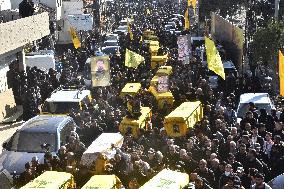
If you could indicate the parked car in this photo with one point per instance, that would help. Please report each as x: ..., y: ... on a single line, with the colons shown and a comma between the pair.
x: 121, y: 30
x: 112, y: 37
x: 33, y: 139
x: 110, y: 43
x: 61, y: 101
x: 111, y: 50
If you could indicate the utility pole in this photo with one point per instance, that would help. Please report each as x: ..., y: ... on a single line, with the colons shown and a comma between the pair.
x: 276, y: 6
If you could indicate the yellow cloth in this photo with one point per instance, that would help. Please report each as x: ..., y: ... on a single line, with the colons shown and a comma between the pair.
x: 281, y: 64
x: 132, y: 59
x: 282, y: 86
x: 191, y: 2
x: 281, y: 73
x: 167, y: 179
x: 129, y: 30
x: 186, y: 20
x: 214, y: 61
x: 75, y: 39
x: 51, y: 179
x: 103, y: 182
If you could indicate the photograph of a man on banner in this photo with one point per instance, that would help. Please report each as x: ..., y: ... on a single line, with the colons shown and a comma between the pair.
x: 100, y: 70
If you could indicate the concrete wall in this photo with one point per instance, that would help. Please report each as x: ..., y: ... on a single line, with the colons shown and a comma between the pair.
x: 9, y: 15
x: 20, y: 32
x: 7, y: 104
x: 5, y: 5
x: 4, y: 68
x: 69, y: 7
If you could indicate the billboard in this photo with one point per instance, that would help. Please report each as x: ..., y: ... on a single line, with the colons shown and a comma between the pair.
x: 230, y: 36
x: 81, y: 21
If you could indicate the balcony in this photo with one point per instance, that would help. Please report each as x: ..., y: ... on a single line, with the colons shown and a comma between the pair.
x: 17, y: 33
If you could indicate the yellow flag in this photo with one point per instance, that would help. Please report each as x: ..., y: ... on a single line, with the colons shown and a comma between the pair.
x: 186, y: 20
x: 129, y: 30
x: 281, y: 73
x: 141, y: 39
x: 132, y: 59
x: 75, y: 39
x: 214, y: 61
x: 191, y: 2
x: 281, y: 64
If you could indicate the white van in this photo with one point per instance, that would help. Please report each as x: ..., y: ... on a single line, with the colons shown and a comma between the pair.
x: 261, y: 101
x: 28, y: 141
x: 43, y: 60
x: 62, y: 101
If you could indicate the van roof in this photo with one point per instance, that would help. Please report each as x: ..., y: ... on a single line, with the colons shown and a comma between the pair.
x: 45, y: 123
x: 228, y: 64
x: 257, y: 98
x: 67, y: 95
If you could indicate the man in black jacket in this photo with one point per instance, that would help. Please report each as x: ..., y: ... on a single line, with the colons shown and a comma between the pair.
x: 26, y: 9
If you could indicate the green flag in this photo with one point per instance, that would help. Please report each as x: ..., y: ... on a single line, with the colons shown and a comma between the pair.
x: 132, y: 59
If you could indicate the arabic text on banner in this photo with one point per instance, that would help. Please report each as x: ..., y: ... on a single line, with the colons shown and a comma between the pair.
x: 81, y: 21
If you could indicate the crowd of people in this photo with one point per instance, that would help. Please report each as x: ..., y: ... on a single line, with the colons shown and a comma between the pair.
x: 219, y: 152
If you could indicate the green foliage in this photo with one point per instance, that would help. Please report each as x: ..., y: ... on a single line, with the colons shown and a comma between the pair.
x: 267, y: 41
x: 224, y: 7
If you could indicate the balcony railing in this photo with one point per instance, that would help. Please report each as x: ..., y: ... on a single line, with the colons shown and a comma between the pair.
x: 17, y: 33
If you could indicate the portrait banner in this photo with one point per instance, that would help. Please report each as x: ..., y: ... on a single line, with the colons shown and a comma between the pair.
x: 100, y: 71
x: 163, y: 84
x: 184, y: 50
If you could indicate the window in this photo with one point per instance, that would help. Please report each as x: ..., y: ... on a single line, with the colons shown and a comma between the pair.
x: 31, y: 142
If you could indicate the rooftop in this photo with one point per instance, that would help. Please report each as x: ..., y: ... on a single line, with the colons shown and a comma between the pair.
x: 66, y: 95
x: 44, y: 123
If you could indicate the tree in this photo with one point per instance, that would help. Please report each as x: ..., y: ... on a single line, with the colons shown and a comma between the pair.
x: 266, y: 43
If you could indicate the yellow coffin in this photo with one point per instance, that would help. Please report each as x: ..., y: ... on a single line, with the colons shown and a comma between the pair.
x: 162, y: 71
x: 136, y: 124
x: 154, y: 47
x: 167, y: 179
x: 182, y: 118
x: 158, y: 61
x: 162, y: 98
x: 103, y: 182
x: 131, y: 89
x: 52, y: 180
x: 165, y: 71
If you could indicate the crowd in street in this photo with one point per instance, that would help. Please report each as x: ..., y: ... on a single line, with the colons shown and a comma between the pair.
x: 218, y: 152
